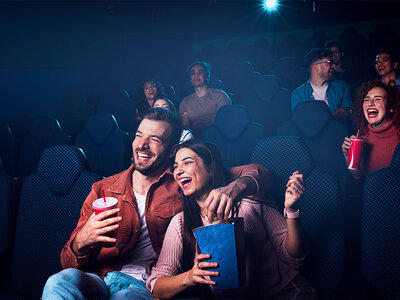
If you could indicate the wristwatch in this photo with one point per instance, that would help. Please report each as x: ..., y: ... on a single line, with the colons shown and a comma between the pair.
x: 291, y: 215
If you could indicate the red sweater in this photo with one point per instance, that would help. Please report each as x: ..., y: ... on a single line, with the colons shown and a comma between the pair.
x: 380, y: 146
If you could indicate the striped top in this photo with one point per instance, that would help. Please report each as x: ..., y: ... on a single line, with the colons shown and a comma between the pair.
x: 269, y: 267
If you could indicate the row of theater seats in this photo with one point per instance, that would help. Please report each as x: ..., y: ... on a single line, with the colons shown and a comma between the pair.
x: 235, y: 134
x: 75, y: 110
x: 52, y: 197
x: 267, y: 103
x: 49, y: 206
x: 322, y: 218
x: 107, y: 147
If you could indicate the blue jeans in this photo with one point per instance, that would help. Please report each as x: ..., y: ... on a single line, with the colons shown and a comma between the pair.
x: 75, y: 284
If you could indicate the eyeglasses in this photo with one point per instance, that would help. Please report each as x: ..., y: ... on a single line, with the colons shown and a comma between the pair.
x: 329, y: 62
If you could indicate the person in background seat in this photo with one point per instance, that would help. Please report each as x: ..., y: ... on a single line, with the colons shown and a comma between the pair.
x: 198, y: 110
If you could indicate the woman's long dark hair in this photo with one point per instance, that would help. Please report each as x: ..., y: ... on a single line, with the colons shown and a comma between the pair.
x: 191, y: 210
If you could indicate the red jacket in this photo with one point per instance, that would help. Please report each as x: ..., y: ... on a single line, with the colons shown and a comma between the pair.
x: 162, y: 203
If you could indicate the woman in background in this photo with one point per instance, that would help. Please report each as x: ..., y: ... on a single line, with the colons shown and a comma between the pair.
x: 377, y: 115
x: 165, y: 103
x: 151, y: 90
x: 386, y: 64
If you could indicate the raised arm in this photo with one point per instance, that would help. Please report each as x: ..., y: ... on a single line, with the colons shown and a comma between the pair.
x: 250, y: 180
x: 296, y: 240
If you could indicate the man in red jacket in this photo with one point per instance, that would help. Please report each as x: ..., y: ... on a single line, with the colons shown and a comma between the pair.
x: 148, y: 198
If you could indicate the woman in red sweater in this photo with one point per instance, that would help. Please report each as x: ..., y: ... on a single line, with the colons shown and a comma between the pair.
x: 377, y: 115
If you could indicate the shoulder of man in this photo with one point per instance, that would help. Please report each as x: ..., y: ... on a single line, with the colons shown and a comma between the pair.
x: 217, y: 91
x: 304, y: 87
x: 189, y: 97
x: 339, y: 84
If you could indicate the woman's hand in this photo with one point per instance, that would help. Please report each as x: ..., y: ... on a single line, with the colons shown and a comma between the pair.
x: 357, y: 174
x: 295, y: 188
x: 196, y: 274
x: 346, y: 146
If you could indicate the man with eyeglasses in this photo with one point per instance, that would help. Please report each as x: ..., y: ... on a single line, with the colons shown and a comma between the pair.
x: 335, y: 93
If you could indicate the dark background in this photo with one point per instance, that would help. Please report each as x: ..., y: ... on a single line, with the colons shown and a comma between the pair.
x: 50, y: 48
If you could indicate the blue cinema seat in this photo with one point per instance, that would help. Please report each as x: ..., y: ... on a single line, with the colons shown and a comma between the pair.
x: 289, y: 73
x: 107, y: 148
x: 73, y: 114
x: 321, y: 208
x: 44, y: 132
x: 49, y: 208
x: 313, y: 122
x: 268, y: 103
x: 234, y: 134
x: 9, y: 148
x: 7, y: 192
x: 381, y: 229
x: 118, y: 103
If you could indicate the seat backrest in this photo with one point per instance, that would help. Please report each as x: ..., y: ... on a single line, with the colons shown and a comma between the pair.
x: 320, y: 206
x: 107, y: 148
x: 380, y: 229
x: 6, y: 214
x: 289, y: 73
x: 9, y: 149
x: 268, y: 103
x: 73, y: 114
x: 243, y: 78
x: 234, y: 134
x: 45, y: 132
x: 313, y: 122
x: 21, y: 124
x: 49, y: 208
x: 118, y: 103
x: 282, y: 156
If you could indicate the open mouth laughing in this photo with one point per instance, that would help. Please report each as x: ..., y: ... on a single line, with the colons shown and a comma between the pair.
x: 185, y: 182
x: 143, y: 156
x: 372, y: 113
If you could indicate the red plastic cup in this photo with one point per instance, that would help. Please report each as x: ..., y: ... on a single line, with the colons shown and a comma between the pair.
x: 100, y: 206
x: 355, y: 153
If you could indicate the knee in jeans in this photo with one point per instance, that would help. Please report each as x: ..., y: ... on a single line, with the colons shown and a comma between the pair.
x: 59, y: 278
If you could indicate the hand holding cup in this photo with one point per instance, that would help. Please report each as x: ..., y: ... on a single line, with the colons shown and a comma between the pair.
x: 99, y: 228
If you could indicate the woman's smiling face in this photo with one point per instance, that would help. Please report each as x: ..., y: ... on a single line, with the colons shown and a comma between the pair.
x: 191, y: 174
x: 375, y: 107
x: 384, y: 64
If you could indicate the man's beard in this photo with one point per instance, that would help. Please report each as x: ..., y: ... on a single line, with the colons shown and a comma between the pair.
x: 158, y: 165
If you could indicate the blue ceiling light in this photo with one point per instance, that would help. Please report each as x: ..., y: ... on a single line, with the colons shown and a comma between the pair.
x: 270, y: 4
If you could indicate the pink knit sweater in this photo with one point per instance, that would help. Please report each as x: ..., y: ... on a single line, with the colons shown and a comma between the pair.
x: 380, y: 146
x: 269, y: 267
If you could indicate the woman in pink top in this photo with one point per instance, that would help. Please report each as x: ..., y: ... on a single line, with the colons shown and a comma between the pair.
x: 377, y: 115
x: 275, y: 247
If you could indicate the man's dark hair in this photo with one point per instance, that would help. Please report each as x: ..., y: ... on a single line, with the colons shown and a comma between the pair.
x: 315, y: 54
x: 160, y: 114
x: 333, y: 43
x: 206, y: 65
